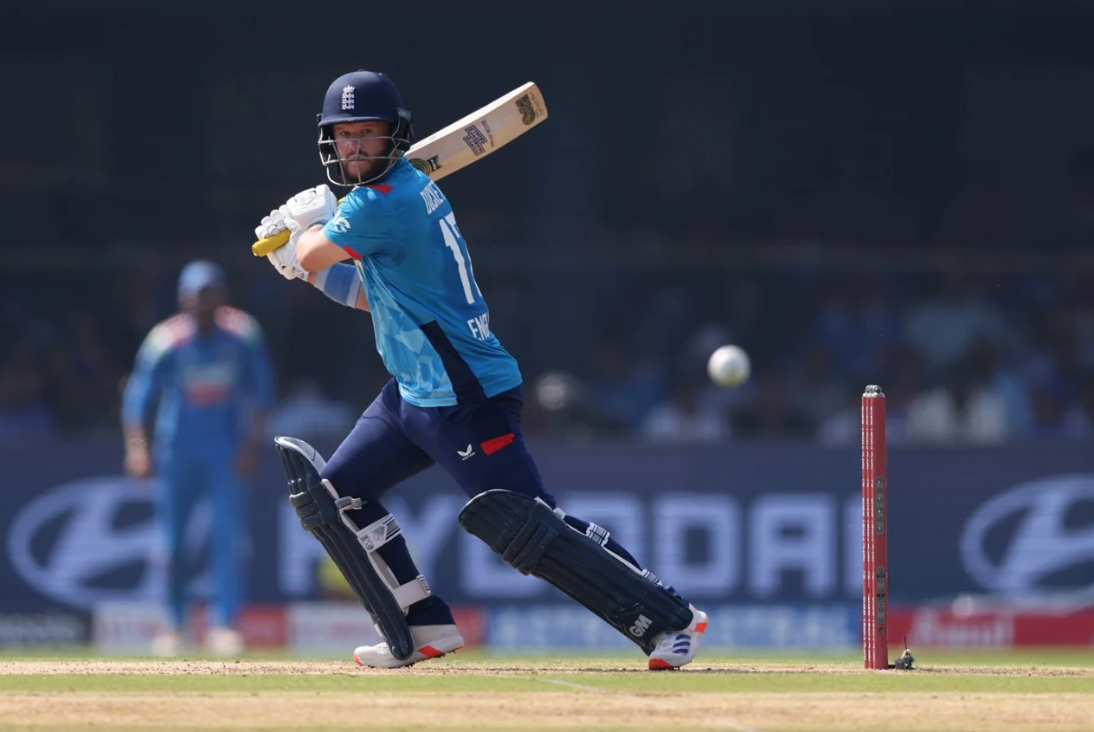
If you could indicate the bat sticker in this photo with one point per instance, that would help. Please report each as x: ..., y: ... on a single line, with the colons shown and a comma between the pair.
x: 527, y: 111
x: 475, y: 140
x: 427, y: 166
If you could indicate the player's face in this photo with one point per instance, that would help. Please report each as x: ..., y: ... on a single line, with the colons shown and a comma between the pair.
x: 362, y: 147
x: 203, y: 304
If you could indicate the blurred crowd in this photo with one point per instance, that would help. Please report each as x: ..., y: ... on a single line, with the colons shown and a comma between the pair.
x: 961, y: 358
x: 965, y: 352
x: 939, y: 198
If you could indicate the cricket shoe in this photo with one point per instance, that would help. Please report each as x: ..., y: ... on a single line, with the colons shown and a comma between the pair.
x: 430, y: 641
x: 167, y: 643
x: 224, y: 642
x: 677, y: 647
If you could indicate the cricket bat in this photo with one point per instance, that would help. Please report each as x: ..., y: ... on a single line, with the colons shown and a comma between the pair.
x: 461, y: 143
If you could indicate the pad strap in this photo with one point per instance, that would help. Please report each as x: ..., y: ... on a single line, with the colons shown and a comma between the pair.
x: 374, y: 536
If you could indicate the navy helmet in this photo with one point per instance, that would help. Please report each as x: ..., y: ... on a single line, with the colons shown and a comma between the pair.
x: 362, y: 96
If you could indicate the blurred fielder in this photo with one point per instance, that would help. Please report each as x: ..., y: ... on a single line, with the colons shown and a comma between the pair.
x: 455, y: 400
x: 207, y: 371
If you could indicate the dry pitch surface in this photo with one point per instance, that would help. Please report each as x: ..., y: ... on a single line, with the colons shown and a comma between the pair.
x: 575, y: 694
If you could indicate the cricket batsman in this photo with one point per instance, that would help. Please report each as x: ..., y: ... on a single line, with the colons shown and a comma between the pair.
x: 455, y: 399
x: 208, y: 372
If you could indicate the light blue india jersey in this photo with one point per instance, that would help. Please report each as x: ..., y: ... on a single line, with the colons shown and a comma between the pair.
x: 431, y: 321
x: 202, y: 388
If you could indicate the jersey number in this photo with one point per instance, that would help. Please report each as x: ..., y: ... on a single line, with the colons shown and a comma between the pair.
x: 454, y: 241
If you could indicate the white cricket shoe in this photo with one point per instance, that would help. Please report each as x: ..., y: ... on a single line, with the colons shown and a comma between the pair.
x: 167, y: 643
x: 430, y: 641
x: 224, y: 642
x: 677, y: 647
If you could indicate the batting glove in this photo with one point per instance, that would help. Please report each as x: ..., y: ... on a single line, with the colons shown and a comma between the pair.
x: 309, y: 207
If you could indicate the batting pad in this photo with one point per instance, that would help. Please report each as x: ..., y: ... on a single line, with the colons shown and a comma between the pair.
x: 322, y: 512
x: 534, y: 539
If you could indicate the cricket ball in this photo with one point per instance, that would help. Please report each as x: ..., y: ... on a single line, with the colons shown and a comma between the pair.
x: 729, y: 366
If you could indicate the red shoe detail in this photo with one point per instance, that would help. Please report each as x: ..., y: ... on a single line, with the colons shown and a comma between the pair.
x: 430, y: 652
x: 356, y: 659
x: 701, y: 627
x: 660, y: 664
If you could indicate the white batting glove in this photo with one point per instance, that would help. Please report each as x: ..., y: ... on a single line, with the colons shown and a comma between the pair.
x: 309, y: 207
x: 284, y: 258
x: 270, y: 225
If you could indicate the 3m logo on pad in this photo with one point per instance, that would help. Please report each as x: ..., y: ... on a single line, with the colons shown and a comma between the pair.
x: 640, y: 626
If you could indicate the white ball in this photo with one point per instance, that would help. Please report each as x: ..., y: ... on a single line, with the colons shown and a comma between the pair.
x: 729, y: 366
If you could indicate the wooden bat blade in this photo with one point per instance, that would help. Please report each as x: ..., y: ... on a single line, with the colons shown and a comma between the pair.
x: 462, y: 143
x: 480, y: 133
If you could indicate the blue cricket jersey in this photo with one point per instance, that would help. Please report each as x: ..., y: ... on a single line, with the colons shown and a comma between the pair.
x: 204, y: 385
x: 431, y: 321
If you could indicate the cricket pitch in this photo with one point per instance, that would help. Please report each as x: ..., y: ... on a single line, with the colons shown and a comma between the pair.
x: 572, y: 694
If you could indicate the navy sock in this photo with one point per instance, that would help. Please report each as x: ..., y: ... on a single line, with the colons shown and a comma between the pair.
x: 430, y: 611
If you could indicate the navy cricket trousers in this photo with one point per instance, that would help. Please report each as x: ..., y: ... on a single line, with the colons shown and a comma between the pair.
x: 480, y: 445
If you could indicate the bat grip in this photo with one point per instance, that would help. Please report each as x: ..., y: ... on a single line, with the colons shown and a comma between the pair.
x: 271, y: 243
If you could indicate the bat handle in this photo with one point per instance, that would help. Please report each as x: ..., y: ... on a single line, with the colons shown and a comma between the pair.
x: 271, y: 243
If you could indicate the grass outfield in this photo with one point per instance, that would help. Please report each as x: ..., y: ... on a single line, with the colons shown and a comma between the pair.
x: 1038, y: 690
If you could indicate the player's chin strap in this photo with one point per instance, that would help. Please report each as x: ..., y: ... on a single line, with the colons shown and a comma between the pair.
x: 535, y: 539
x: 354, y: 550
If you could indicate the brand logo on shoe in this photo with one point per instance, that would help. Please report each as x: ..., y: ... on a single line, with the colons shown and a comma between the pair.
x: 640, y: 626
x: 464, y: 454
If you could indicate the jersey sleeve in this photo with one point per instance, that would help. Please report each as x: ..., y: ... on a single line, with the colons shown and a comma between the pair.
x: 261, y: 379
x: 146, y: 380
x: 364, y: 223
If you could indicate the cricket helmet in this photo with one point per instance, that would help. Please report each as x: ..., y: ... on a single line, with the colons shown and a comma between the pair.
x: 362, y: 96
